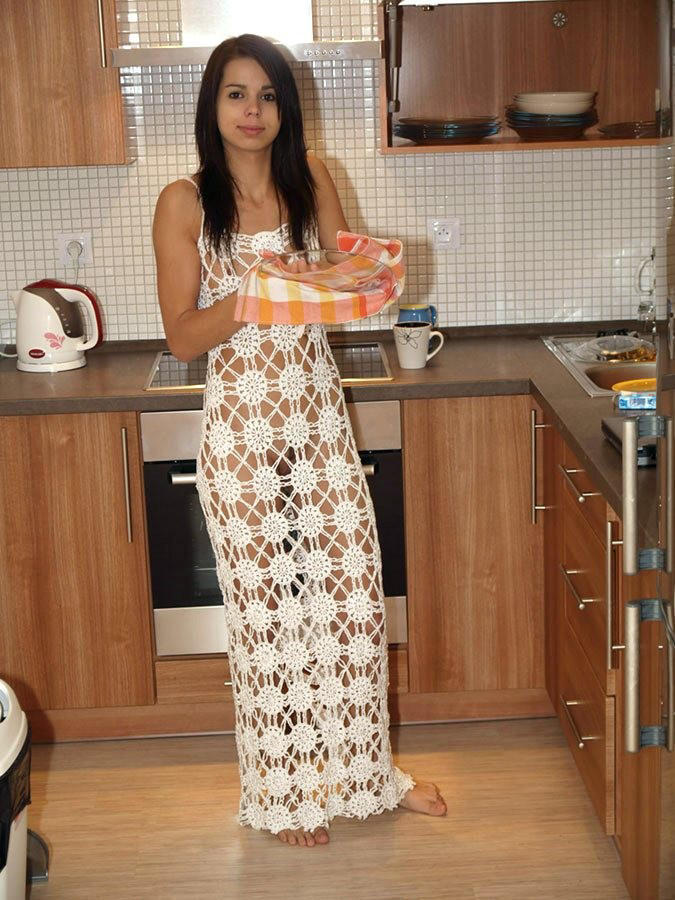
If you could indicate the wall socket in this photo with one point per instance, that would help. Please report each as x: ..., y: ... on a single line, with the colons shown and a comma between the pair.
x: 68, y: 250
x: 445, y: 233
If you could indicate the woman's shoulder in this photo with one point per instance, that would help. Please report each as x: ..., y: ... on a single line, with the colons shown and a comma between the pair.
x: 183, y: 191
x: 179, y: 202
x: 317, y: 167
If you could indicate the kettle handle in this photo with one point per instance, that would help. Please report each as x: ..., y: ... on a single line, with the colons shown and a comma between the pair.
x: 93, y: 328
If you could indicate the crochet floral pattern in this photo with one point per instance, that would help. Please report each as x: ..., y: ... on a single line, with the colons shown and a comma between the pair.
x: 293, y: 530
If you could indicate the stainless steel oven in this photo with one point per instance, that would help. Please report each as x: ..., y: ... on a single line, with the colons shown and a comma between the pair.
x: 187, y: 603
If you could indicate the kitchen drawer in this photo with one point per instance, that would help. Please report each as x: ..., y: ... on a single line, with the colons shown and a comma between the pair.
x: 202, y: 680
x: 587, y: 717
x: 577, y: 485
x: 585, y: 590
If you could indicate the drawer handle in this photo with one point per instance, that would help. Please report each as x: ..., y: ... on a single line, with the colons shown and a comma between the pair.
x: 581, y: 495
x: 581, y: 741
x: 227, y: 683
x: 610, y: 543
x: 581, y: 601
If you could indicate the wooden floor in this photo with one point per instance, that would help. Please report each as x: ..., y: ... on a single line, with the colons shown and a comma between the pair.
x: 126, y: 820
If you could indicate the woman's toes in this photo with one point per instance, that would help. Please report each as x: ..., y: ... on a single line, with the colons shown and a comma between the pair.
x: 321, y: 836
x: 283, y: 836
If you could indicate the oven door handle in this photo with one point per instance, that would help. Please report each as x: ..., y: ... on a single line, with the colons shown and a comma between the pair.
x: 183, y: 477
x: 369, y: 469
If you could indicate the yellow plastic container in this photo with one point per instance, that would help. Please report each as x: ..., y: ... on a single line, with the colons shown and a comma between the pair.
x: 636, y: 385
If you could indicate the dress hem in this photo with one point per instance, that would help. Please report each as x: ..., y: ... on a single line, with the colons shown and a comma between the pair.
x: 408, y: 785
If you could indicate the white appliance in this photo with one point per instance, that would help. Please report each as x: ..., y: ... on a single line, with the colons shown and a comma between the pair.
x: 50, y: 329
x: 13, y: 735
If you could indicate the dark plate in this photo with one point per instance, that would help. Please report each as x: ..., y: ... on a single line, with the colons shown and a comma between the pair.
x: 516, y: 115
x: 423, y: 131
x: 425, y: 139
x: 471, y: 122
x: 436, y: 141
x: 629, y: 130
x: 549, y: 132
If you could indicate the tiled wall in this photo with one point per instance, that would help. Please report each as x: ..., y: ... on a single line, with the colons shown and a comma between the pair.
x: 553, y: 235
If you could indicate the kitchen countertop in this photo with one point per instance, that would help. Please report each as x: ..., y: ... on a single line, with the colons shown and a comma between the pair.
x: 467, y: 366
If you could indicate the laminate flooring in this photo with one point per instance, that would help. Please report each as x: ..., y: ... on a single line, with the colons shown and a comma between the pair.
x: 127, y: 820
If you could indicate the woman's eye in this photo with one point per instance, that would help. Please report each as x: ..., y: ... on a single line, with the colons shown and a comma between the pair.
x: 233, y: 95
x: 271, y: 98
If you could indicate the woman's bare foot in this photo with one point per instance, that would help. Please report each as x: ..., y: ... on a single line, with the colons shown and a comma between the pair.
x: 304, y: 838
x: 425, y: 798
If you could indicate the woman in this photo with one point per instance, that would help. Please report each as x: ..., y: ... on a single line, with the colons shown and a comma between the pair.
x: 284, y: 497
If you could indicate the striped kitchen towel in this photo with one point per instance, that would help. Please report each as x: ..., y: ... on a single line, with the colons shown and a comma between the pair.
x: 344, y: 290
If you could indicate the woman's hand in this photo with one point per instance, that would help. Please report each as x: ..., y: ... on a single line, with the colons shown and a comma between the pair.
x: 297, y: 265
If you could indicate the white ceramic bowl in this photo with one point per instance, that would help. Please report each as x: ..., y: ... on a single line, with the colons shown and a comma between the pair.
x: 551, y: 108
x: 556, y: 95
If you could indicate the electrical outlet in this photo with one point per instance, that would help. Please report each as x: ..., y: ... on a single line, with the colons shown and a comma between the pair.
x: 69, y: 253
x: 445, y: 233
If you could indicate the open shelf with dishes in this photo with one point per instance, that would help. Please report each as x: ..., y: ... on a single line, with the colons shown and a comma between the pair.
x: 468, y: 73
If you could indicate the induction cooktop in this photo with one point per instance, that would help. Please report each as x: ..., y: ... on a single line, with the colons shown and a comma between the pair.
x: 358, y: 363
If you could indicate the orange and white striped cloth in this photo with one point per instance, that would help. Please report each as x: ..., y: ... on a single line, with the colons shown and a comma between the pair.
x: 353, y: 288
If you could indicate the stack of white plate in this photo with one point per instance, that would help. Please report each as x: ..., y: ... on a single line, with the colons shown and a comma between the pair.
x: 555, y: 103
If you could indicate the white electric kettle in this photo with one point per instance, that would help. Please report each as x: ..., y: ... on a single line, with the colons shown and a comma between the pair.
x: 50, y: 333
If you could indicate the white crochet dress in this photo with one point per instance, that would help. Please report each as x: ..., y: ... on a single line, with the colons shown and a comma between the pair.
x: 293, y: 530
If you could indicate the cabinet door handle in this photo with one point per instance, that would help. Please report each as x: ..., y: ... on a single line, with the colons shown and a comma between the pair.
x: 581, y: 601
x: 581, y: 741
x: 533, y: 464
x: 632, y: 429
x: 631, y: 677
x: 101, y: 34
x: 227, y: 683
x: 580, y: 495
x: 670, y: 680
x: 127, y: 490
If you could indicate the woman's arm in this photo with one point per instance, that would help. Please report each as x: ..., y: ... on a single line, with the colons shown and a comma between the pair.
x: 331, y: 216
x: 189, y: 331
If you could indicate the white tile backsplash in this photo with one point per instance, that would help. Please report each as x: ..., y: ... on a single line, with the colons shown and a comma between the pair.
x: 547, y: 235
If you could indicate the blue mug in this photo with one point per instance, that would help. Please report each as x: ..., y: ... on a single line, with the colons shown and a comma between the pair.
x: 416, y: 312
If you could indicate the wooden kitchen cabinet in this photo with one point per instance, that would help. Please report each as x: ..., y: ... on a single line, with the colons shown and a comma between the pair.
x: 60, y: 105
x: 584, y: 606
x: 74, y: 596
x: 470, y: 59
x: 474, y: 558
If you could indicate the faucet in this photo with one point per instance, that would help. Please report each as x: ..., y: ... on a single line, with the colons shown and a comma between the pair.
x: 646, y: 314
x: 646, y: 311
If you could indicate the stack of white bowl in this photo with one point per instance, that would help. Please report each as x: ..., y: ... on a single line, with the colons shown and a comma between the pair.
x: 555, y: 103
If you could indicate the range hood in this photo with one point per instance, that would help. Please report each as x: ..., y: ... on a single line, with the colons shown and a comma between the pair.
x: 289, y: 25
x: 122, y: 57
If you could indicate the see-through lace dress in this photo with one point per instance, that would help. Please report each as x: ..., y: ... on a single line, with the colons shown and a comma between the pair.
x: 293, y: 529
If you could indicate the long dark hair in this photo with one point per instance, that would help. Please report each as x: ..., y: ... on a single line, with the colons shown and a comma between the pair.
x: 292, y: 178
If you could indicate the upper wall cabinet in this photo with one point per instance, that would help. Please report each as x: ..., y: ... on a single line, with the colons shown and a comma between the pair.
x: 444, y: 62
x: 61, y: 104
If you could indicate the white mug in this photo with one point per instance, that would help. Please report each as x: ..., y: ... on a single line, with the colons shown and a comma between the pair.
x: 412, y: 344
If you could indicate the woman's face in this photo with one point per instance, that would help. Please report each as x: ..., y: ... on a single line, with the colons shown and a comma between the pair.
x: 247, y: 111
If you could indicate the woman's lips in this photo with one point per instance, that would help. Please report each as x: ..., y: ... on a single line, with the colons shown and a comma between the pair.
x: 252, y: 130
